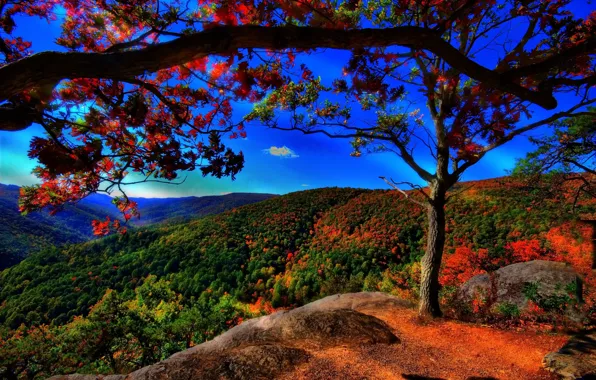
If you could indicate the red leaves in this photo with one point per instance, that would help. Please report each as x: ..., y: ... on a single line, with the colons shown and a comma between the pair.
x: 462, y: 265
x: 224, y: 15
x: 107, y: 226
x: 525, y: 250
x: 127, y: 207
x: 199, y: 64
x: 218, y: 69
x: 101, y: 228
x: 53, y: 193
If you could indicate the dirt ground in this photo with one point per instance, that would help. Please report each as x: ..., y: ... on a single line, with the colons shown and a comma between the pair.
x: 438, y: 349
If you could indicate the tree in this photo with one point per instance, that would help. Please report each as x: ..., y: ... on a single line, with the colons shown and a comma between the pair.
x: 144, y: 80
x: 566, y: 155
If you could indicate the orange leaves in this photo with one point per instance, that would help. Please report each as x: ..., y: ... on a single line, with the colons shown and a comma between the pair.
x: 101, y: 228
x: 127, y: 207
x: 466, y: 263
x: 462, y: 265
x: 575, y: 249
x: 218, y: 69
x: 107, y: 165
x: 526, y: 250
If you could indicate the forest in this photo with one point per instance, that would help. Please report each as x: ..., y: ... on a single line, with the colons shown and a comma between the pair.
x: 124, y: 301
x: 435, y: 100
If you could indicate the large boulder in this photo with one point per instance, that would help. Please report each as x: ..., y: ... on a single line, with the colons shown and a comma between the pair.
x: 260, y: 361
x: 265, y: 347
x: 576, y: 359
x: 326, y: 323
x: 544, y: 282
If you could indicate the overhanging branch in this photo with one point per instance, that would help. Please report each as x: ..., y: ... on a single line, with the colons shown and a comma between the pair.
x: 48, y: 68
x: 551, y: 119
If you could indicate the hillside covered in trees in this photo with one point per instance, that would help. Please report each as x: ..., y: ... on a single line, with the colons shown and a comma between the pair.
x: 20, y: 235
x: 116, y: 304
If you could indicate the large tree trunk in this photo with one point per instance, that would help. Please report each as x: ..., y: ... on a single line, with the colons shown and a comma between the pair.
x: 431, y: 262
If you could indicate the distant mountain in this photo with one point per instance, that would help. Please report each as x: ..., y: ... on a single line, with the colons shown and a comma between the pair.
x: 157, y: 210
x: 21, y: 235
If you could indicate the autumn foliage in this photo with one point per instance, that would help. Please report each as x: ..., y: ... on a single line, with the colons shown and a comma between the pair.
x: 153, y: 122
x: 191, y: 281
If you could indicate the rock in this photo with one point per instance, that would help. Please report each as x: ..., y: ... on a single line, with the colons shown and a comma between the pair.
x: 358, y: 301
x: 265, y: 347
x: 327, y: 321
x: 250, y: 362
x: 576, y: 359
x: 512, y: 284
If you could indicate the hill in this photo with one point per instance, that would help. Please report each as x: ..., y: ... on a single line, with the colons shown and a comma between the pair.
x: 20, y: 235
x: 169, y: 287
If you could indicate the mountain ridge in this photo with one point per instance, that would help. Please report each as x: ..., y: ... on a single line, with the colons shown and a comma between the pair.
x: 21, y: 235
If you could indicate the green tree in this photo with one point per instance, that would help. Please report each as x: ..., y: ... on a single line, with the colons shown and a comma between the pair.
x: 568, y: 154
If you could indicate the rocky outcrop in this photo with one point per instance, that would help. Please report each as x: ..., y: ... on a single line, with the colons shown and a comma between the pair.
x: 576, y: 359
x: 517, y: 284
x: 268, y: 346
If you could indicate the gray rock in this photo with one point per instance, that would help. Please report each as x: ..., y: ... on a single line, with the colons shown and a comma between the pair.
x: 576, y: 359
x: 263, y: 348
x: 241, y: 363
x: 331, y: 320
x: 507, y: 284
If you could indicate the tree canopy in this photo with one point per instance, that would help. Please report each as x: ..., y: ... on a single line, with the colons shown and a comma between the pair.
x: 142, y: 82
x: 150, y: 87
x: 566, y: 155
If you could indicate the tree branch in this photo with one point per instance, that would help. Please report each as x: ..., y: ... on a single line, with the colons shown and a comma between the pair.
x: 445, y: 24
x: 49, y: 68
x: 17, y: 118
x: 569, y: 113
x: 556, y: 60
x: 393, y: 185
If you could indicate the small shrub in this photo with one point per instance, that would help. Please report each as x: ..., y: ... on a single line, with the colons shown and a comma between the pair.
x: 508, y: 310
x: 531, y: 291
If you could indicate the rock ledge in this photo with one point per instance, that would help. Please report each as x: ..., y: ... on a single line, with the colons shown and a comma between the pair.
x: 268, y: 346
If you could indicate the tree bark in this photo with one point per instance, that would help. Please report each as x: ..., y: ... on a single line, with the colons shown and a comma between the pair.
x: 49, y: 68
x: 431, y: 261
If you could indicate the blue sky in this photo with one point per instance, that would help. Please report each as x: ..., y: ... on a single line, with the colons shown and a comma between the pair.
x: 276, y: 161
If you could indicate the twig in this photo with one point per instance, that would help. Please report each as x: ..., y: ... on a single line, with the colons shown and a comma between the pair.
x: 393, y: 185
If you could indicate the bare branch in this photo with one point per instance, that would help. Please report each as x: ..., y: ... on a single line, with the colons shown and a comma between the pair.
x: 394, y: 186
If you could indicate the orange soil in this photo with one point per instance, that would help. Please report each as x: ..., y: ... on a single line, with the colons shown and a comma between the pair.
x: 438, y: 349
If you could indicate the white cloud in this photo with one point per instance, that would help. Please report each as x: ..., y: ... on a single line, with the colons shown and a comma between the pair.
x: 283, y: 152
x: 305, y: 185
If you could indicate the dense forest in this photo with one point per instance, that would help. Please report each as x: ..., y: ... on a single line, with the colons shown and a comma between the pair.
x: 20, y: 236
x: 124, y: 301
